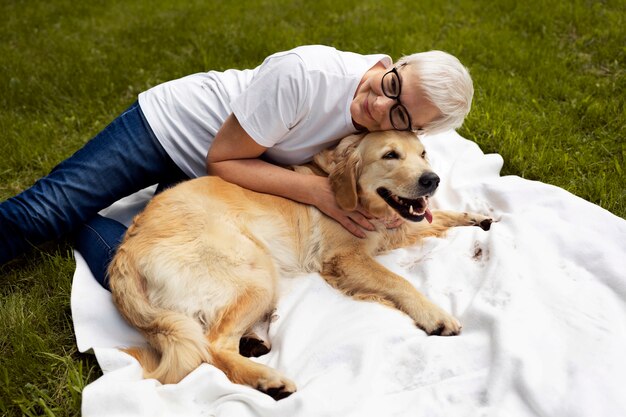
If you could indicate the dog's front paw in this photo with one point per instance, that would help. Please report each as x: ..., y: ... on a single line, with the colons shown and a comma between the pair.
x: 479, y: 220
x: 440, y: 323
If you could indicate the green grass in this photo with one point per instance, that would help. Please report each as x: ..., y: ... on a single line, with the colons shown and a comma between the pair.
x: 550, y: 87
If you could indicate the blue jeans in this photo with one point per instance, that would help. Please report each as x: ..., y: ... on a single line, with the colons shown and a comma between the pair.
x: 122, y: 159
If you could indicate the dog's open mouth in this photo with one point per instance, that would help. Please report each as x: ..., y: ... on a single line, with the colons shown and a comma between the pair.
x: 414, y: 210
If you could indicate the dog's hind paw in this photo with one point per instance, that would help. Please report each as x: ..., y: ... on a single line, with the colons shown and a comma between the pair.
x: 279, y: 393
x: 277, y: 387
x: 252, y: 347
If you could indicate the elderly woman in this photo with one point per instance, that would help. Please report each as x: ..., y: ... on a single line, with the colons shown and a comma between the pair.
x: 237, y: 124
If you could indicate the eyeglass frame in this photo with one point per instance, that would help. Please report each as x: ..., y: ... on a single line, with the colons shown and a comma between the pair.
x: 399, y: 104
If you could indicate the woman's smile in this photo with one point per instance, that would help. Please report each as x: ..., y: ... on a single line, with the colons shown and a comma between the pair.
x: 366, y: 107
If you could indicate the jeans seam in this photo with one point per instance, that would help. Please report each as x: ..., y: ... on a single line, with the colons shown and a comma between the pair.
x: 99, y: 237
x: 130, y: 109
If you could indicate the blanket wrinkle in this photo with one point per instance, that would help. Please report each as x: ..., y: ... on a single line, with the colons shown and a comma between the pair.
x: 541, y: 296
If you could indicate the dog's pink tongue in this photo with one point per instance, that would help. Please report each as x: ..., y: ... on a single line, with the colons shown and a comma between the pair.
x: 428, y: 215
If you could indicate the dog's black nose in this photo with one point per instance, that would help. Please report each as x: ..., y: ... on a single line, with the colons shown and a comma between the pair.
x: 429, y: 181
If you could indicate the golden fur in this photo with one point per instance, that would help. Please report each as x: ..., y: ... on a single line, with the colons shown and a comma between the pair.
x: 198, y: 268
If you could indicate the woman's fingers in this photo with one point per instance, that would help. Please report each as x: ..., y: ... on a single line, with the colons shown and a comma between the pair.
x: 352, y: 227
x: 364, y: 212
x: 361, y: 220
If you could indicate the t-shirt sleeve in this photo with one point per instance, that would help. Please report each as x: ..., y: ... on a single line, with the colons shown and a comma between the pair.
x: 274, y: 101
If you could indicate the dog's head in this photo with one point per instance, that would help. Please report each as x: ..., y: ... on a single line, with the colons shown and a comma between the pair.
x: 385, y: 172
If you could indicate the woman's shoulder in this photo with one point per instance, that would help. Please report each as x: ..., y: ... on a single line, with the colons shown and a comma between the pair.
x: 314, y: 57
x: 332, y: 60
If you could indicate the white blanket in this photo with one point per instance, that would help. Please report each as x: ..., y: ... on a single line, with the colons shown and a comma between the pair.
x: 542, y: 299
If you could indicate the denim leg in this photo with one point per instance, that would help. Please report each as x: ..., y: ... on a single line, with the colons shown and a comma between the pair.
x: 122, y: 159
x: 98, y: 239
x: 97, y: 242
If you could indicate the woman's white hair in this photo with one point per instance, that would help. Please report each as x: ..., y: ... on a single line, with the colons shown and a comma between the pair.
x: 446, y: 83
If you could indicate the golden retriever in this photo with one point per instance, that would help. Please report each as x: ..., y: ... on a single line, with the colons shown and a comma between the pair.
x: 198, y: 268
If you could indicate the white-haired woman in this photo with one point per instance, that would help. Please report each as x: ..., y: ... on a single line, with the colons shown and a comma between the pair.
x: 237, y: 124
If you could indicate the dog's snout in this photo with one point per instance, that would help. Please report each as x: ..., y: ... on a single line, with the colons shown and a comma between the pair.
x: 429, y: 181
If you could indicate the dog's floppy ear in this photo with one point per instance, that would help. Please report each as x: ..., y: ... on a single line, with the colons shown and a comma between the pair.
x: 328, y: 158
x: 345, y: 172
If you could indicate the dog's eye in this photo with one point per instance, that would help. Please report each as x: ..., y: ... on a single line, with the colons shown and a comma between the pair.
x: 391, y: 155
x: 424, y: 154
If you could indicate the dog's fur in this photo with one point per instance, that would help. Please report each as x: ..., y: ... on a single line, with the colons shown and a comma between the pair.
x: 199, y: 266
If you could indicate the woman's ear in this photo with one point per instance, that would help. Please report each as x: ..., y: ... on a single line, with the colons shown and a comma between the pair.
x: 344, y: 175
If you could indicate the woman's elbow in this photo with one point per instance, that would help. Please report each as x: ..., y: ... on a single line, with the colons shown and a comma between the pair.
x: 212, y: 167
x: 212, y: 163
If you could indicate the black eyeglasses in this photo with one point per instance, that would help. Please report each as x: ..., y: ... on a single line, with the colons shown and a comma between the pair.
x: 392, y: 87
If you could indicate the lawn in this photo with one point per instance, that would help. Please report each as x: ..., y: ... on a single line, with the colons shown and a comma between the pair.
x: 550, y: 92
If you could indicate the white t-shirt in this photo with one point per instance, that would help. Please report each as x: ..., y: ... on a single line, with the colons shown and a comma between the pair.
x: 295, y: 103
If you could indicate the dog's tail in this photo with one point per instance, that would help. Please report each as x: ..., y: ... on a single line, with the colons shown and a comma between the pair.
x: 177, y: 342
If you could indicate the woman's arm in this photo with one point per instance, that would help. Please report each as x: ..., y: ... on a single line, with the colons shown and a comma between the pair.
x: 234, y: 156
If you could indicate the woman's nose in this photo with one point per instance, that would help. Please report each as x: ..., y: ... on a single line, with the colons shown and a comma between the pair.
x: 382, y: 104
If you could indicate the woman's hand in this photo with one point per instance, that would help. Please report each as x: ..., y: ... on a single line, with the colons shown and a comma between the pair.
x: 324, y: 200
x: 234, y: 157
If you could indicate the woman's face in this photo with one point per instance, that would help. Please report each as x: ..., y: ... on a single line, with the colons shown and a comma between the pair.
x: 370, y: 107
